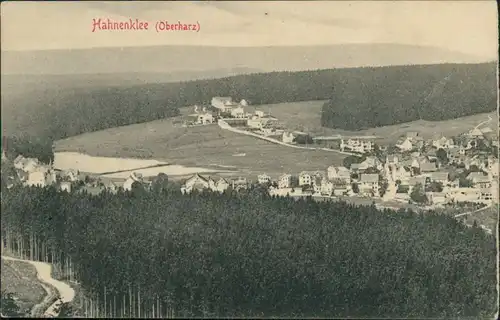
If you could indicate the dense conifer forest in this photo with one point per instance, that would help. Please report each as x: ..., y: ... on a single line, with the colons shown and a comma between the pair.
x: 360, y: 97
x: 161, y: 253
x: 374, y: 97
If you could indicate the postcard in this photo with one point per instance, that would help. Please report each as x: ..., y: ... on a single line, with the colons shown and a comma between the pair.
x: 250, y: 159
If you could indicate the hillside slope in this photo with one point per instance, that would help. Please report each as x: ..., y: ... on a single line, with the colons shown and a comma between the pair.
x: 374, y: 97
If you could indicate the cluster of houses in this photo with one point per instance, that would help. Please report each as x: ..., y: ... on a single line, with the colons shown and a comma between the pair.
x: 31, y: 172
x: 466, y: 175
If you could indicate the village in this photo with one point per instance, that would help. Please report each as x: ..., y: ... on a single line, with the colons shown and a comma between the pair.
x: 438, y: 172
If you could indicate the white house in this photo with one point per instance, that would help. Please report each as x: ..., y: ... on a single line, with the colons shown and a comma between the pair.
x: 285, y: 181
x: 196, y: 182
x: 368, y: 184
x: 356, y: 145
x: 288, y: 137
x: 443, y: 143
x: 401, y: 173
x: 475, y: 133
x: 259, y: 113
x: 326, y: 187
x: 405, y: 145
x: 371, y: 162
x: 305, y: 178
x: 220, y: 185
x: 70, y: 175
x: 263, y: 178
x: 41, y: 176
x: 65, y: 186
x: 222, y: 103
x: 341, y: 173
x: 479, y: 180
x: 243, y: 103
x: 134, y: 177
x: 238, y: 112
x: 239, y: 183
x: 493, y: 166
x: 205, y: 118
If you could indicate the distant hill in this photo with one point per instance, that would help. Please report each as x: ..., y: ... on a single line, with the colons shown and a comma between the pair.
x: 373, y: 97
x: 171, y: 59
x: 35, y: 84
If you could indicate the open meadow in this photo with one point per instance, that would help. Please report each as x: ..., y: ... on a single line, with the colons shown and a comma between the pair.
x: 306, y: 116
x: 19, y: 278
x: 204, y: 146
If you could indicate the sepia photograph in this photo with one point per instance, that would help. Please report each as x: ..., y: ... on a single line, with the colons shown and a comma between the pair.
x: 249, y: 159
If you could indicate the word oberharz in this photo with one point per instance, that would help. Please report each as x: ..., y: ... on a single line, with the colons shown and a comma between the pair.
x: 179, y: 26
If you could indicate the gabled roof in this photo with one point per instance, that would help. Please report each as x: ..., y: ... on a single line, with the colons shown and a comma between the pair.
x: 416, y: 180
x: 428, y: 167
x: 197, y: 176
x: 224, y: 99
x: 369, y: 177
x: 439, y: 175
x: 478, y: 177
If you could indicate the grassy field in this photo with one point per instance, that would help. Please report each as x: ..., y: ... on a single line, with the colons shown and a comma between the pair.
x: 212, y: 147
x: 203, y: 146
x: 20, y: 279
x: 306, y: 116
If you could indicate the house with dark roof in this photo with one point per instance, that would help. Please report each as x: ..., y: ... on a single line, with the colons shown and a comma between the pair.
x: 428, y: 167
x: 440, y: 176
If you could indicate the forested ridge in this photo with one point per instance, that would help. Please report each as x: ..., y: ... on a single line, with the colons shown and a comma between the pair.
x: 162, y: 253
x: 374, y: 97
x: 360, y: 97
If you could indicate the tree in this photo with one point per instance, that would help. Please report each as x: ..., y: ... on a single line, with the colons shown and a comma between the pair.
x: 418, y: 194
x: 465, y: 183
x: 435, y: 186
x: 371, y: 170
x: 442, y: 155
x: 349, y: 160
x: 303, y: 139
x: 383, y: 185
x: 9, y: 307
x: 160, y: 182
x: 355, y: 187
x: 64, y: 309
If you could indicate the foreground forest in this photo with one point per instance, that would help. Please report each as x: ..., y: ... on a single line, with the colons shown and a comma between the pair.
x: 375, y: 97
x: 160, y: 253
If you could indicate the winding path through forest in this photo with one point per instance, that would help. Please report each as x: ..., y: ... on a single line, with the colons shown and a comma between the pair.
x: 44, y: 270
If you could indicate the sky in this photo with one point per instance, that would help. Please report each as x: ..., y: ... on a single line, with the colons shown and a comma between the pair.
x: 468, y: 27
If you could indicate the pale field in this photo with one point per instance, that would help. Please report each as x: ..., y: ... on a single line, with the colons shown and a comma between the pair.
x: 208, y: 147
